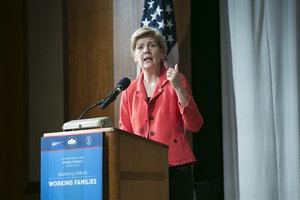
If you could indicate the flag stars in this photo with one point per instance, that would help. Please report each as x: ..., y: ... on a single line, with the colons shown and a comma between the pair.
x: 150, y: 4
x: 169, y: 24
x: 146, y: 22
x: 168, y: 9
x: 158, y: 10
x: 170, y: 39
x: 161, y: 24
x: 160, y: 15
x: 153, y: 16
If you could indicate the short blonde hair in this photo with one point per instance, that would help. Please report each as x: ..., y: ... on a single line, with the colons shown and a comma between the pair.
x: 147, y: 31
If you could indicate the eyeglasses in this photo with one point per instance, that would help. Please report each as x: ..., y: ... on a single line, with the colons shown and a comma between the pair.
x: 151, y: 46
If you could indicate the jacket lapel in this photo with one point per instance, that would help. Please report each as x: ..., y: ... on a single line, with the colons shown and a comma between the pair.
x: 140, y: 89
x: 160, y: 85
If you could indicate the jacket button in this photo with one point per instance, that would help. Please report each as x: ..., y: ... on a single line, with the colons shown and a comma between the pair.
x: 151, y: 117
x: 151, y: 133
x: 175, y: 141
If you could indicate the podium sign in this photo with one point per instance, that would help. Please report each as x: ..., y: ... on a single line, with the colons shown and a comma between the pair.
x: 103, y: 164
x: 72, y: 166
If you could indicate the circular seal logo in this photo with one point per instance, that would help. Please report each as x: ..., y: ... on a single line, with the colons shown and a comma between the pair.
x: 88, y: 140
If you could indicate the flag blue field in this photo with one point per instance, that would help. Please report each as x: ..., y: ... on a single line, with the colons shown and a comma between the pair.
x: 160, y: 14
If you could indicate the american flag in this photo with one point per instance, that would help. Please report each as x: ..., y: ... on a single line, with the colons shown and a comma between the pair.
x: 160, y: 14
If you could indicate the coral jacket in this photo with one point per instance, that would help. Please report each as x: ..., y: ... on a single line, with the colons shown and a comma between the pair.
x: 162, y: 119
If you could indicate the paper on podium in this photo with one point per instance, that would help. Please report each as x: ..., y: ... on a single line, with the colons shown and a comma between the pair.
x: 99, y: 122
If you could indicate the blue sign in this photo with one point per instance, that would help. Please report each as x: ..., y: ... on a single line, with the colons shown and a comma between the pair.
x: 71, y: 167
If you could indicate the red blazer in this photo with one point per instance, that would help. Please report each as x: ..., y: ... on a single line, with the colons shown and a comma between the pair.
x: 162, y: 119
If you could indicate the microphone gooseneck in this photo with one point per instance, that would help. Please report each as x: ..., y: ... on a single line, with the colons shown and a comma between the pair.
x: 87, y: 109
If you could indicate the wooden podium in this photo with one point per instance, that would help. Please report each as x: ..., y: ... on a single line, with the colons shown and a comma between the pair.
x: 134, y: 168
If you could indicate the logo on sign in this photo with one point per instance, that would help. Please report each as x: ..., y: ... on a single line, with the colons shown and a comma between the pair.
x: 72, y: 142
x: 55, y: 143
x: 88, y: 140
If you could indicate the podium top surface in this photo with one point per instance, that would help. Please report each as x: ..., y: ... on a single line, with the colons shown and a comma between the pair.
x: 78, y: 132
x: 98, y: 122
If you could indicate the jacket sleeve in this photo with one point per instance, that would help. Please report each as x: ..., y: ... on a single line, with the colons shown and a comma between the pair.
x: 190, y: 113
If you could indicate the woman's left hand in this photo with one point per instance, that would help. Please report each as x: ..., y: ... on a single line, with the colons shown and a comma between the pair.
x: 174, y: 77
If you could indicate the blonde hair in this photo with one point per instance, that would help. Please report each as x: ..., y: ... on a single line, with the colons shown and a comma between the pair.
x: 147, y: 31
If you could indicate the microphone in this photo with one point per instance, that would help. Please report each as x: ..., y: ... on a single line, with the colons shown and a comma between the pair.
x: 122, y: 85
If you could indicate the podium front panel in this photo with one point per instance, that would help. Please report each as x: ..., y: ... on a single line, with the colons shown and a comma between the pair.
x: 72, y: 167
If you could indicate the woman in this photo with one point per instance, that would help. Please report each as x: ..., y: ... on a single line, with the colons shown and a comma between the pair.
x: 159, y: 105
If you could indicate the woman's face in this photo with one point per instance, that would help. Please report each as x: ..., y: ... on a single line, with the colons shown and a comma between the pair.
x: 148, y: 53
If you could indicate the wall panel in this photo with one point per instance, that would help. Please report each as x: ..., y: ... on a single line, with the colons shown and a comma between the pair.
x: 89, y: 56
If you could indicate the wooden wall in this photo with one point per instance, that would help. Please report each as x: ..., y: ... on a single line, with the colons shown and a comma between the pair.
x: 89, y: 56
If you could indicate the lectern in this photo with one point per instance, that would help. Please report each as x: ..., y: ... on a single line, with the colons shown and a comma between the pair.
x: 103, y: 163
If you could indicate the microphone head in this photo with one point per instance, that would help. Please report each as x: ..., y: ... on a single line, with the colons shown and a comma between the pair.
x: 123, y: 83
